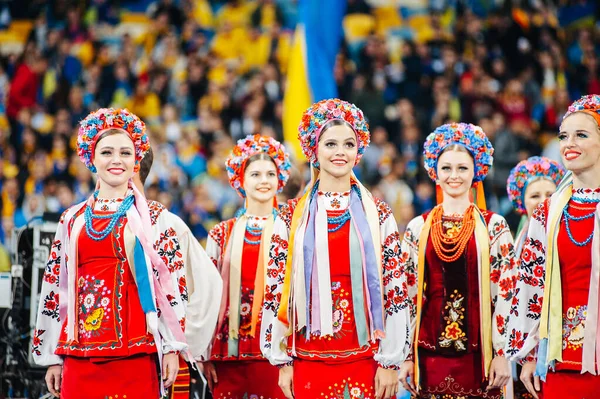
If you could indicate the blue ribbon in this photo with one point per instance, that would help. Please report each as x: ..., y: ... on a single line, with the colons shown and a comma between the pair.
x: 141, y: 278
x: 370, y: 261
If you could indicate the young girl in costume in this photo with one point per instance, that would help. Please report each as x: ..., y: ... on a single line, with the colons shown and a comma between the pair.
x: 108, y: 303
x: 258, y: 169
x: 553, y: 327
x: 529, y: 184
x: 453, y: 256
x: 335, y: 318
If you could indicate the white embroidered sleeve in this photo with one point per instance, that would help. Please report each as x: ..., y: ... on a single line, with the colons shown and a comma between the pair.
x: 273, y: 334
x: 409, y: 262
x: 203, y: 288
x: 525, y: 312
x: 395, y: 347
x: 503, y: 278
x: 48, y: 324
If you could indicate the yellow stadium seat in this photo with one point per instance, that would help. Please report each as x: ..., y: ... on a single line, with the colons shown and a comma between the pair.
x: 135, y: 17
x: 386, y: 18
x: 358, y: 27
x: 21, y: 28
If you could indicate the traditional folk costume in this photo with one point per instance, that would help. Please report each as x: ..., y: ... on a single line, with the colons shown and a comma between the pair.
x: 454, y: 262
x: 554, y: 317
x: 523, y: 174
x: 239, y: 249
x: 335, y: 302
x: 109, y: 301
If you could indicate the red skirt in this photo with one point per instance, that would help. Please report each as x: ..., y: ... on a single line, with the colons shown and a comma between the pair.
x: 453, y: 377
x: 570, y: 384
x: 134, y: 377
x: 319, y: 379
x: 246, y: 379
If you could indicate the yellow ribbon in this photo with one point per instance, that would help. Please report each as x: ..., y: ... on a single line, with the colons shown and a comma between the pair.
x: 423, y: 237
x: 551, y: 317
x: 482, y: 238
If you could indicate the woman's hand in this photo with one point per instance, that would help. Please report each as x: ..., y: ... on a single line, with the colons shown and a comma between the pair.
x: 170, y: 368
x: 286, y: 381
x: 407, y: 370
x: 210, y: 373
x: 499, y: 373
x: 386, y: 383
x: 53, y: 379
x: 531, y: 382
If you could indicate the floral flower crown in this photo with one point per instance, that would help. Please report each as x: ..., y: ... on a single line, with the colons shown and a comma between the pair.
x: 527, y: 171
x: 591, y: 103
x: 252, y: 145
x: 319, y: 114
x: 469, y: 136
x: 97, y: 122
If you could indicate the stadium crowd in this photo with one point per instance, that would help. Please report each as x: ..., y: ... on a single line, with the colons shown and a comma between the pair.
x: 203, y: 74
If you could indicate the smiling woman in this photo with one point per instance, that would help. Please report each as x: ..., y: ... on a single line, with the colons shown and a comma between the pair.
x: 453, y: 256
x: 258, y: 168
x: 559, y: 265
x: 335, y: 295
x: 98, y: 316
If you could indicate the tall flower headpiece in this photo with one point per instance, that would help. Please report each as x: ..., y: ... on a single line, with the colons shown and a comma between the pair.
x: 527, y: 171
x: 319, y: 114
x: 97, y: 122
x: 467, y: 135
x: 252, y: 145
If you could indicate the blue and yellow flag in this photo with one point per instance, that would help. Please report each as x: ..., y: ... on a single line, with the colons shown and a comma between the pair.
x: 312, y: 59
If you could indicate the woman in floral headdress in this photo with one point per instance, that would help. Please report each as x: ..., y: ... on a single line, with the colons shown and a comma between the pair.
x: 258, y: 169
x: 530, y: 183
x: 107, y: 303
x: 454, y: 256
x: 335, y: 318
x: 553, y: 326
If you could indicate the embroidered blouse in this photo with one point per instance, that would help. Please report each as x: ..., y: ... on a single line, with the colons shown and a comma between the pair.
x: 390, y: 351
x: 575, y: 268
x: 184, y: 258
x: 448, y: 335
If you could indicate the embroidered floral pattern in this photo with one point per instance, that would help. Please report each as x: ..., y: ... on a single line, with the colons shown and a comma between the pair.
x: 503, y: 278
x: 52, y: 271
x: 347, y: 389
x: 95, y: 305
x: 169, y: 250
x: 155, y: 208
x: 451, y: 389
x: 37, y: 342
x: 574, y: 327
x: 51, y: 306
x: 453, y: 335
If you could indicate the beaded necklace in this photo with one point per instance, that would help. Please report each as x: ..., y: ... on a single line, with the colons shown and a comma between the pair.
x: 451, y: 247
x: 338, y: 221
x: 570, y: 218
x: 255, y: 231
x: 114, y: 218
